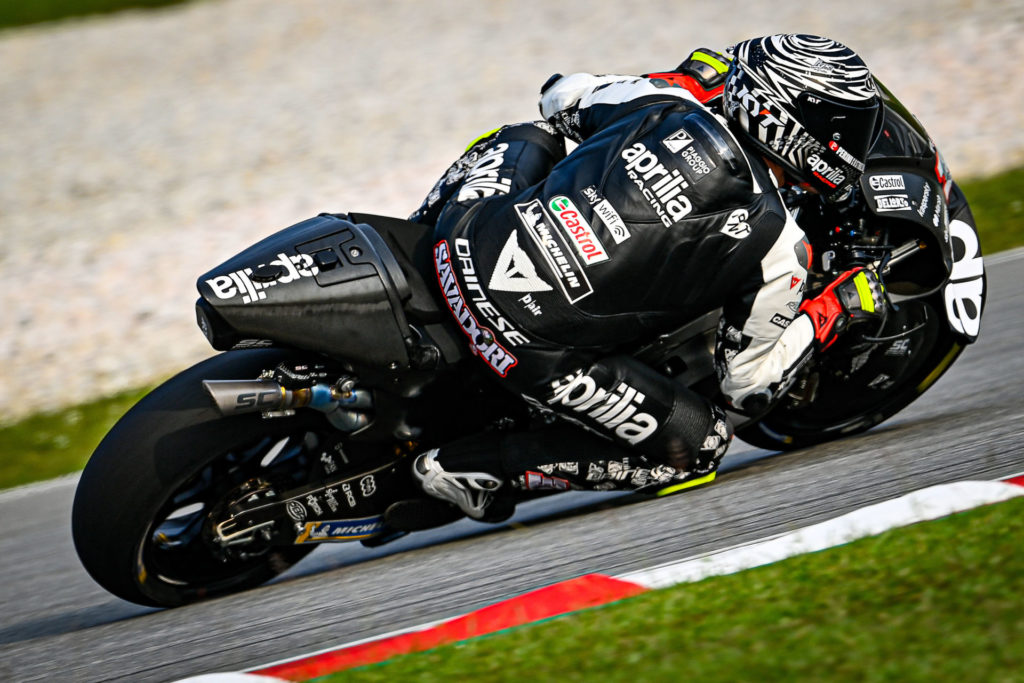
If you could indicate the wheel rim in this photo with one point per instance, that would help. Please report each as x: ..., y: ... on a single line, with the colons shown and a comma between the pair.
x: 176, y: 553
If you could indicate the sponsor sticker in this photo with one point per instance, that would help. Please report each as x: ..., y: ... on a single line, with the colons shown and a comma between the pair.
x: 536, y: 481
x: 781, y: 321
x: 886, y: 182
x: 314, y: 504
x: 328, y: 462
x: 736, y: 225
x: 678, y: 141
x: 892, y: 202
x: 604, y: 210
x: 340, y: 530
x: 295, y: 510
x: 349, y: 496
x: 331, y: 499
x: 846, y: 156
x: 580, y: 234
x: 824, y: 171
x: 481, y: 339
x: 531, y: 304
x: 514, y: 270
x: 899, y: 348
x: 562, y: 262
x: 922, y: 207
x: 368, y: 485
x: 681, y: 143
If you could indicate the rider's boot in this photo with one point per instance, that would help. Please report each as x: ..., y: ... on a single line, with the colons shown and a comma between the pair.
x: 453, y: 493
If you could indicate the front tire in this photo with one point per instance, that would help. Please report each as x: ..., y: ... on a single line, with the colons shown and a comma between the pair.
x: 141, y: 510
x: 861, y: 385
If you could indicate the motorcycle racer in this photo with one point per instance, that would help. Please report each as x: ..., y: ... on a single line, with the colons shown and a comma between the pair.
x: 553, y: 265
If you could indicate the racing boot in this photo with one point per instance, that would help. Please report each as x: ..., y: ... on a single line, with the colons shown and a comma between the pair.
x: 453, y: 494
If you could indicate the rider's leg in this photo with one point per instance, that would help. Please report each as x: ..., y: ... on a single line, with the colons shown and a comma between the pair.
x: 690, y: 435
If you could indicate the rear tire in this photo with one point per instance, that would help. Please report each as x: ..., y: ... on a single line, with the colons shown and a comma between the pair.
x: 144, y: 498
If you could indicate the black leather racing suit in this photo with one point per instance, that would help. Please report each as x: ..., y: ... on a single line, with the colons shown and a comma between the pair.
x: 552, y: 266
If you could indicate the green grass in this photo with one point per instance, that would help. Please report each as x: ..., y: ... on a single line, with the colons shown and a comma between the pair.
x: 47, y: 445
x: 933, y: 602
x: 50, y: 444
x: 998, y: 207
x: 24, y: 12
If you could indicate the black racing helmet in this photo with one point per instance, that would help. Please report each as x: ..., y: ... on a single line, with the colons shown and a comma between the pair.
x: 807, y: 103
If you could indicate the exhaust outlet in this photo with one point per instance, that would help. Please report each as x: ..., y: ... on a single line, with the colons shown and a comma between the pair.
x: 237, y: 396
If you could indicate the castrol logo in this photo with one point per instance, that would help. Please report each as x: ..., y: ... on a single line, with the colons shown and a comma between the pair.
x: 576, y: 227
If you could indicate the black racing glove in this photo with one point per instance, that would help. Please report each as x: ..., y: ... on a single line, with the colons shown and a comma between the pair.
x: 855, y: 296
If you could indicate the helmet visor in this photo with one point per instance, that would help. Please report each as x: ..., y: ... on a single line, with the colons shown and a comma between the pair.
x: 845, y: 132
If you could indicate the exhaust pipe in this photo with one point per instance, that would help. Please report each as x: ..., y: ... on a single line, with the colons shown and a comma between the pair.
x: 237, y: 396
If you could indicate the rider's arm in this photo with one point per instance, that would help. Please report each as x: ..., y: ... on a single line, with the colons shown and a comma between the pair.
x: 767, y: 334
x: 762, y: 340
x: 580, y: 104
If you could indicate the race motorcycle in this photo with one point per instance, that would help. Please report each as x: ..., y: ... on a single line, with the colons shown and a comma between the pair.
x: 339, y: 363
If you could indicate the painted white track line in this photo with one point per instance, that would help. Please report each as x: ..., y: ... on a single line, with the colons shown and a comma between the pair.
x: 924, y: 505
x: 919, y: 506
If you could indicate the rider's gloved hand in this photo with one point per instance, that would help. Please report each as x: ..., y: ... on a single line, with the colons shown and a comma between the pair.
x: 550, y: 82
x: 856, y: 295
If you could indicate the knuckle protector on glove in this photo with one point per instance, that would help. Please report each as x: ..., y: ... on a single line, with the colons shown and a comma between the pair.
x: 856, y: 294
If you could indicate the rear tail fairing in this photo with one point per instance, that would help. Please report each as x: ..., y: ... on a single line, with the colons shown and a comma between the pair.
x: 325, y: 284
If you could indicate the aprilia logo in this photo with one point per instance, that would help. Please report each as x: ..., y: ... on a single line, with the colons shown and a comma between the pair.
x: 661, y: 187
x: 965, y: 290
x: 482, y: 180
x: 615, y: 411
x: 239, y: 282
x: 580, y: 234
x: 825, y: 173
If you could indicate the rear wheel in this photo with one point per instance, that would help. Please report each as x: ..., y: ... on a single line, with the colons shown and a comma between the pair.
x: 860, y: 383
x: 142, y: 511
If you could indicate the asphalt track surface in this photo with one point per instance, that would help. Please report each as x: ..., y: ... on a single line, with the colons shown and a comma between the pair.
x: 57, y: 624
